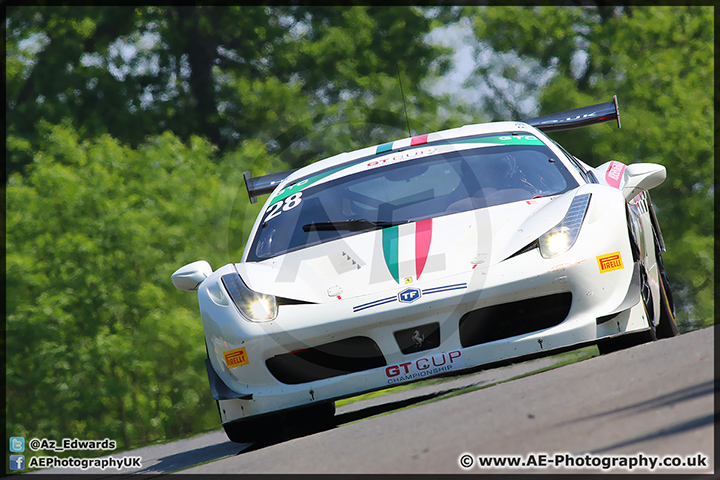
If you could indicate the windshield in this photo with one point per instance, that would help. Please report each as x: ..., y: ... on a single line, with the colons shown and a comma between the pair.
x: 405, y: 187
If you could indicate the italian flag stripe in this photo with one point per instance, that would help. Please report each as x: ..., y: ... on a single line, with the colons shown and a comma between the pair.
x: 423, y: 235
x: 390, y: 250
x: 391, y: 242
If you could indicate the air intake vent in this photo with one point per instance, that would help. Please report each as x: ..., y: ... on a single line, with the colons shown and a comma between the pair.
x: 350, y: 355
x: 515, y: 318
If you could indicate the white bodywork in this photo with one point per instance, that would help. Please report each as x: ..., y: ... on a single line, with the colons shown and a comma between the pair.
x: 343, y: 288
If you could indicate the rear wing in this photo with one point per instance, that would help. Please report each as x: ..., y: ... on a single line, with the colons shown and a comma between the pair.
x: 575, y: 118
x: 264, y: 184
x: 578, y: 117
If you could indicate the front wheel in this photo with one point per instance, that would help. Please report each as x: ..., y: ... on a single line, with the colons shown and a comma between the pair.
x: 282, y: 425
x: 252, y: 430
x: 668, y: 325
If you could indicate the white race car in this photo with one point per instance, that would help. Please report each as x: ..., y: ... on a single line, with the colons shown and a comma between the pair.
x: 427, y: 256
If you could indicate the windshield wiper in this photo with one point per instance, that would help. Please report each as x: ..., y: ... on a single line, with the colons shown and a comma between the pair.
x: 353, y: 225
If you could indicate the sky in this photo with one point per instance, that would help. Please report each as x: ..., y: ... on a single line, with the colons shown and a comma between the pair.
x: 459, y: 82
x: 470, y: 55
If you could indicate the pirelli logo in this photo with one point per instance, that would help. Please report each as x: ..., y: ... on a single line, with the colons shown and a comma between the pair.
x: 610, y: 262
x: 237, y: 357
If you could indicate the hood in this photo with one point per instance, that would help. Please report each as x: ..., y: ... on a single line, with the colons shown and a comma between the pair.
x: 410, y: 254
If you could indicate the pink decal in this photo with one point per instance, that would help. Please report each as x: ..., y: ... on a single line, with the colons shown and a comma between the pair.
x: 614, y: 174
x: 419, y: 140
x: 423, y: 236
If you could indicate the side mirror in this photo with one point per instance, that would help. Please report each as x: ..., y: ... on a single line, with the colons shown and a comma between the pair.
x: 642, y: 176
x: 189, y: 277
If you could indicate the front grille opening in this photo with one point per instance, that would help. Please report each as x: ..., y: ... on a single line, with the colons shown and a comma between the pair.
x: 350, y: 355
x: 515, y: 318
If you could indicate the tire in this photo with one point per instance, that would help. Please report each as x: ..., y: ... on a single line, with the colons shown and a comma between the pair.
x: 636, y: 338
x: 668, y: 325
x: 282, y: 425
x: 251, y: 430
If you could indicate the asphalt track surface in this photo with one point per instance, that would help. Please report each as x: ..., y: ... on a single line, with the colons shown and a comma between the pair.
x: 653, y: 401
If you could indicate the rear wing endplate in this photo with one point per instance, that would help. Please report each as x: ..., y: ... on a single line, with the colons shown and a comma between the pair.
x: 578, y: 117
x: 264, y: 184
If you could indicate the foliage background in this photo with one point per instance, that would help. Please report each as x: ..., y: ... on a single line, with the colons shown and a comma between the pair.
x: 128, y: 130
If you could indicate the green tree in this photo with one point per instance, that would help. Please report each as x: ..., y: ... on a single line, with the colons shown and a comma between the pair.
x: 218, y: 72
x: 115, y: 116
x: 100, y: 344
x: 659, y: 62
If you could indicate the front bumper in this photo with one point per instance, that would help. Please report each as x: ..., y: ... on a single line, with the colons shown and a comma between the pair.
x: 443, y: 302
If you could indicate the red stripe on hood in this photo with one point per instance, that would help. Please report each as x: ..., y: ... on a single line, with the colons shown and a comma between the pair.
x: 423, y: 236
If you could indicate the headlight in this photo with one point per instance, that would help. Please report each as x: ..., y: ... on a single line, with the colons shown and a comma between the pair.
x: 252, y: 305
x: 555, y: 242
x: 562, y: 236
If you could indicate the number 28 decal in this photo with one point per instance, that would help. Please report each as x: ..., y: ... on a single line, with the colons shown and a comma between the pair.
x: 290, y: 202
